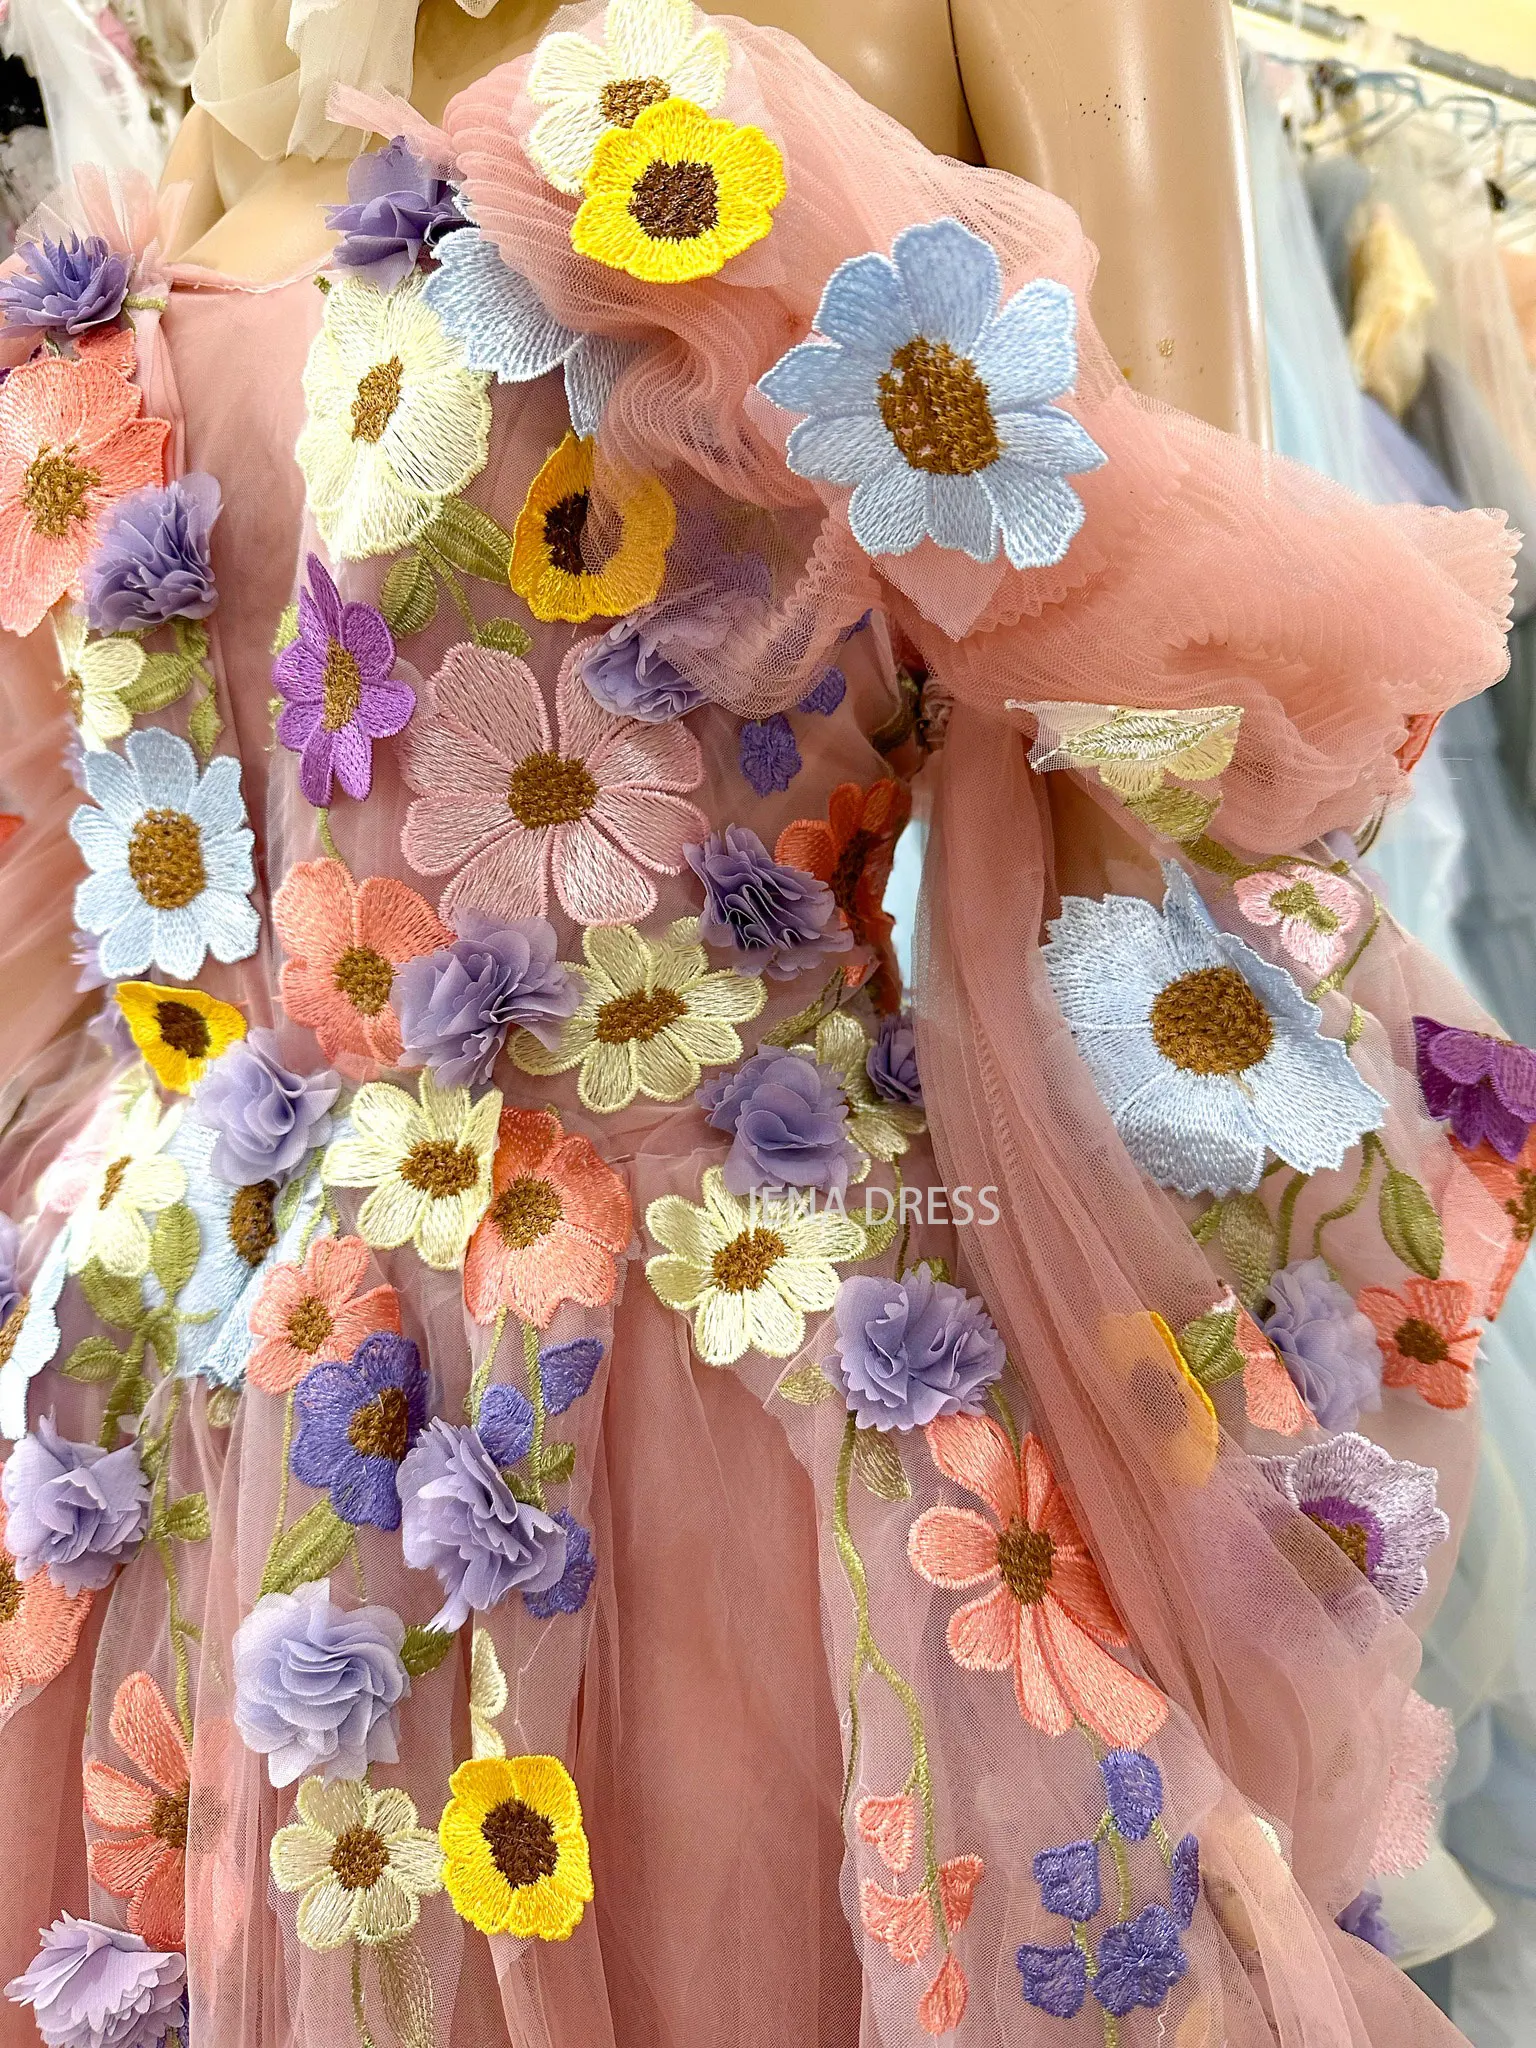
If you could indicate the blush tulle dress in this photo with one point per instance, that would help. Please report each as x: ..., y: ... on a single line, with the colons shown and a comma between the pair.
x: 586, y: 1469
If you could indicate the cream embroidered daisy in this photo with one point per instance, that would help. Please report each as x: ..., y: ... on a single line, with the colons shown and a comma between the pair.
x: 360, y: 1860
x: 397, y: 422
x: 131, y: 1179
x: 1134, y: 750
x: 487, y: 1696
x: 748, y: 1271
x: 651, y: 1017
x: 427, y: 1162
x: 881, y: 1129
x: 98, y: 674
x: 651, y: 50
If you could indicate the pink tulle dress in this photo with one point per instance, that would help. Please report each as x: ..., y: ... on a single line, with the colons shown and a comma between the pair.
x: 586, y: 1471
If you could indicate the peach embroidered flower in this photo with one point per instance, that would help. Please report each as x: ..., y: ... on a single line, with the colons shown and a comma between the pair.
x: 1315, y: 911
x: 71, y: 444
x: 507, y: 805
x: 345, y: 939
x: 149, y: 1868
x: 1426, y: 1338
x: 851, y: 850
x: 40, y: 1625
x: 559, y: 1218
x: 1512, y: 1184
x: 1045, y: 1614
x: 1269, y: 1393
x: 314, y: 1311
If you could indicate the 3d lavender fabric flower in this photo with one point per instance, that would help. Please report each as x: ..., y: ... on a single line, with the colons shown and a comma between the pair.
x: 1378, y: 1509
x: 462, y: 1521
x: 92, y: 1986
x: 265, y: 1117
x: 153, y: 562
x: 788, y: 1118
x: 891, y: 1062
x: 1208, y: 1058
x: 628, y: 676
x: 67, y: 286
x: 337, y: 678
x: 911, y: 1350
x: 781, y: 919
x: 934, y: 402
x: 456, y: 1006
x: 317, y: 1686
x: 396, y: 207
x: 74, y: 1511
x: 1327, y: 1346
x: 1483, y: 1087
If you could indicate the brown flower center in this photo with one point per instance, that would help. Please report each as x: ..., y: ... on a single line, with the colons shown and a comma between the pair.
x: 74, y: 690
x: 310, y: 1324
x: 1420, y: 1341
x: 359, y: 1859
x: 526, y: 1210
x: 521, y: 1841
x: 381, y: 1428
x: 1351, y: 1537
x: 937, y: 410
x: 548, y: 789
x: 638, y: 1016
x: 112, y: 1182
x: 565, y: 526
x: 12, y: 1591
x: 168, y: 1817
x: 1025, y: 1557
x: 623, y: 100
x: 378, y: 393
x: 252, y: 1226
x: 440, y: 1168
x: 12, y: 1328
x: 343, y: 687
x: 1211, y: 1022
x: 849, y: 871
x: 1300, y: 899
x: 183, y: 1029
x: 165, y: 859
x: 56, y: 491
x: 745, y: 1263
x: 1521, y: 1208
x: 365, y: 978
x: 676, y: 202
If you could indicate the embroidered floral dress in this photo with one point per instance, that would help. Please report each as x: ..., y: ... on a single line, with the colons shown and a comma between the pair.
x: 586, y: 1468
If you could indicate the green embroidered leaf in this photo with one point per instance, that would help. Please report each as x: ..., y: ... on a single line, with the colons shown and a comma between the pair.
x: 878, y: 1464
x: 409, y: 597
x: 1410, y: 1225
x: 506, y: 635
x: 1209, y: 1345
x: 405, y: 1983
x: 807, y: 1386
x: 1210, y: 854
x: 164, y: 679
x: 286, y: 1207
x: 424, y: 1649
x: 159, y: 1330
x: 188, y: 1519
x: 556, y: 1462
x: 472, y: 541
x: 112, y: 1298
x: 880, y: 1236
x: 311, y: 1549
x: 519, y: 1487
x: 1206, y: 1224
x: 174, y: 1247
x: 287, y: 628
x: 1175, y: 813
x: 804, y: 1022
x: 126, y: 1398
x: 205, y: 724
x: 223, y: 1407
x: 939, y: 1268
x: 93, y: 1359
x: 1247, y: 1235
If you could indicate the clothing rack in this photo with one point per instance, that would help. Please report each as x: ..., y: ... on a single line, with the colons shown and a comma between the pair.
x: 1338, y: 27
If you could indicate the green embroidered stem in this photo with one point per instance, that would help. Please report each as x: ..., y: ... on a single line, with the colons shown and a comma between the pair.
x: 1285, y: 1217
x: 905, y: 1240
x: 356, y: 1549
x: 1122, y: 1872
x: 536, y: 1396
x: 125, y: 1394
x: 1163, y: 1840
x: 1370, y: 1145
x: 1341, y: 974
x: 1355, y: 1029
x: 365, y: 2039
x: 323, y: 827
x: 481, y: 1378
x: 282, y: 1484
x: 159, y: 1452
x: 999, y: 1401
x: 455, y: 589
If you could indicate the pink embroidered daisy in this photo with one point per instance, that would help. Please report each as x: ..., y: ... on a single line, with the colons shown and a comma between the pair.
x: 344, y: 940
x: 1315, y: 911
x: 508, y: 806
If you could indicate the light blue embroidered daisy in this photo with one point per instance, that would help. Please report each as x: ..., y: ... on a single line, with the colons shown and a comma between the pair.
x: 171, y: 857
x: 935, y: 405
x: 503, y: 326
x: 29, y: 1338
x: 1207, y: 1057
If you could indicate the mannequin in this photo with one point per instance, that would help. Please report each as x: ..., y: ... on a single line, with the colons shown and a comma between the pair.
x: 1132, y: 112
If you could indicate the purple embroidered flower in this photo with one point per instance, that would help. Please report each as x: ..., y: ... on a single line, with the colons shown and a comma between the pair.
x: 356, y: 1421
x: 1134, y: 1787
x: 153, y: 560
x: 267, y: 1117
x: 1055, y: 1979
x: 1380, y: 1511
x: 1364, y: 1919
x: 1328, y: 1346
x: 569, y: 1593
x: 396, y: 207
x: 789, y: 1117
x: 317, y: 1686
x: 767, y: 752
x: 91, y: 1986
x: 628, y: 677
x: 456, y: 1006
x: 74, y: 284
x: 73, y: 1510
x: 340, y: 699
x: 911, y: 1350
x: 1140, y: 1961
x: 10, y: 1252
x: 1484, y: 1087
x: 505, y: 1424
x: 1184, y: 1880
x: 782, y: 919
x: 462, y: 1521
x: 891, y: 1062
x: 827, y: 694
x: 567, y: 1371
x: 1069, y: 1880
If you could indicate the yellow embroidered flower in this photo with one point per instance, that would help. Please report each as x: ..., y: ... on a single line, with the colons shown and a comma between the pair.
x: 487, y: 1696
x: 1134, y: 750
x: 397, y: 423
x: 651, y: 1018
x: 883, y: 1130
x: 1179, y: 1417
x: 361, y: 1861
x: 180, y: 1031
x: 651, y: 50
x: 677, y: 195
x: 517, y: 1860
x: 427, y: 1162
x: 567, y: 565
x: 129, y: 1178
x: 749, y: 1271
x: 98, y: 674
